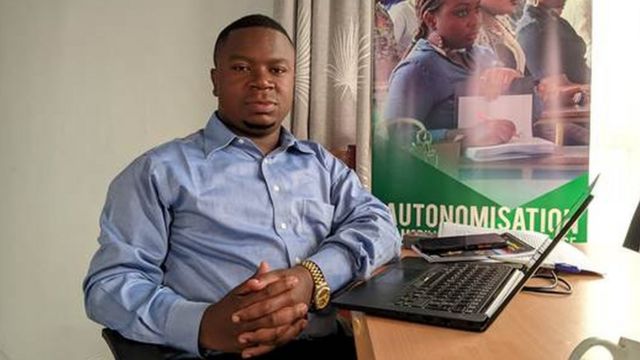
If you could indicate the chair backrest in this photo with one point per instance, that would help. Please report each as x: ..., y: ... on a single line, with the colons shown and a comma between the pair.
x: 125, y: 349
x: 347, y: 154
x: 632, y: 240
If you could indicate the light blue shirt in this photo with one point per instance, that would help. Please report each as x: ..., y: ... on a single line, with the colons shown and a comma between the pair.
x: 191, y: 219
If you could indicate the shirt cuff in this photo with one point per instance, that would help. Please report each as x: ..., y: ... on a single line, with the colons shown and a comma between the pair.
x: 183, y: 325
x: 331, y: 260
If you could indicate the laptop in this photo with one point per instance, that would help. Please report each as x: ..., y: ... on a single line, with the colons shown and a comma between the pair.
x: 463, y: 295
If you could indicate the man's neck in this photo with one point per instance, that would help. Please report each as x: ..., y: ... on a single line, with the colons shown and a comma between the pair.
x: 267, y: 143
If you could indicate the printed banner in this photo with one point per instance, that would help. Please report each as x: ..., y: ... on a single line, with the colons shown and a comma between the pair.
x: 481, y: 116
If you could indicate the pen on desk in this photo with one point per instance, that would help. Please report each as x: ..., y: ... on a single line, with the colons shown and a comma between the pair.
x: 564, y: 267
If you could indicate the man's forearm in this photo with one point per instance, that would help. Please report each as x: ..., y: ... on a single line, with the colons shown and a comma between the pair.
x: 143, y: 311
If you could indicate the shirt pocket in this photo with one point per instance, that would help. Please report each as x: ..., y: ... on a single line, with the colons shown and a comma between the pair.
x: 316, y: 219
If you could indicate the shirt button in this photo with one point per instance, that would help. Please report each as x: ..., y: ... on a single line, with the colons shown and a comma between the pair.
x: 276, y: 188
x: 298, y: 261
x: 283, y: 226
x: 240, y: 141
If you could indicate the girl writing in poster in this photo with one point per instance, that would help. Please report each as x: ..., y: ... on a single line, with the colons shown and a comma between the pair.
x: 443, y: 61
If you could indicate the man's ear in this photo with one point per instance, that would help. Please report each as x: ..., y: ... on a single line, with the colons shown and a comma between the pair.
x: 213, y: 73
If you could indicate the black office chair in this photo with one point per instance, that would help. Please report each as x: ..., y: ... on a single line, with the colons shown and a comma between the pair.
x: 633, y: 234
x: 125, y: 349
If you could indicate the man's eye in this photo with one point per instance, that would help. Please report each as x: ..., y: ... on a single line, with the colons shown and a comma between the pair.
x: 462, y: 13
x: 278, y: 71
x: 240, y: 68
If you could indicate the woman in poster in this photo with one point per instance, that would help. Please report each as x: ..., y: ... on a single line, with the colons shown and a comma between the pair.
x: 443, y: 62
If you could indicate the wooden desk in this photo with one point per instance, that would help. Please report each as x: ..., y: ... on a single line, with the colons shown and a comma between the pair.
x: 533, y: 326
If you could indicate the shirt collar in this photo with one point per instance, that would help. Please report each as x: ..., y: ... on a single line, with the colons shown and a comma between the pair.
x: 217, y: 136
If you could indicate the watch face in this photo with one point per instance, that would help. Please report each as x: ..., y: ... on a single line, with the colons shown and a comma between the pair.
x: 322, y: 297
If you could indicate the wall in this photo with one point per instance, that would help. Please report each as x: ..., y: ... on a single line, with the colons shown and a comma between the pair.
x: 615, y: 119
x: 85, y: 86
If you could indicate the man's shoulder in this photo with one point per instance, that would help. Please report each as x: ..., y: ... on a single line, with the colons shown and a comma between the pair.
x: 311, y: 147
x: 177, y: 147
x: 171, y: 153
x: 333, y: 161
x: 326, y: 157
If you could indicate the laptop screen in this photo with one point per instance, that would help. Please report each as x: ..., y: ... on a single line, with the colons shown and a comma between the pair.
x: 562, y: 228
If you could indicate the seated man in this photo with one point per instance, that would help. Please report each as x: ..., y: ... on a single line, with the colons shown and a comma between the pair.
x: 232, y: 239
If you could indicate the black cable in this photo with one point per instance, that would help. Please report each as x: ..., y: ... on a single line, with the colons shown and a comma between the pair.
x: 558, y: 285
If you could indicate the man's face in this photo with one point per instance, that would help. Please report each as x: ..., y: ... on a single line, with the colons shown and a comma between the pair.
x: 254, y: 79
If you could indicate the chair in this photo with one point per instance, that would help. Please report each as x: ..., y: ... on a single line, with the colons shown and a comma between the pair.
x: 632, y: 240
x: 347, y: 154
x: 125, y: 349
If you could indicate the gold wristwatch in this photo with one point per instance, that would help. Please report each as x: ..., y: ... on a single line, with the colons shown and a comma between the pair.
x: 321, y: 291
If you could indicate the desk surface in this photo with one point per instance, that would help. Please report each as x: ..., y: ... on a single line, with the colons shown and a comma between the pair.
x: 533, y: 326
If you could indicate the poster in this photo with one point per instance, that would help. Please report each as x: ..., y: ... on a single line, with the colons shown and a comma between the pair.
x: 484, y: 120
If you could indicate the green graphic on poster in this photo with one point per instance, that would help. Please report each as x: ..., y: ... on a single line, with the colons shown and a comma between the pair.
x: 484, y: 118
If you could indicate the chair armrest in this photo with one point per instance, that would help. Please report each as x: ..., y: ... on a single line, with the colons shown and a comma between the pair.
x: 126, y: 349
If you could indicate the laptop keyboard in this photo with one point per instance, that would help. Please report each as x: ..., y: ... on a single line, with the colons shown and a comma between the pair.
x: 457, y: 287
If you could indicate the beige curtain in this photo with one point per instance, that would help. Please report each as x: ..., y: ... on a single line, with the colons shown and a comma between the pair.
x: 333, y: 73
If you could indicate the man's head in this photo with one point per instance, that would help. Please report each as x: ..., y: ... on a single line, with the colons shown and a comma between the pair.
x: 253, y: 76
x: 248, y: 21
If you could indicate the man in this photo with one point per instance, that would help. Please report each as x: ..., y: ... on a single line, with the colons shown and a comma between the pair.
x: 232, y: 239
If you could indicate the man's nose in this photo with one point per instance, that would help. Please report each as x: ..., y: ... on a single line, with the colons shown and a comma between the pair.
x: 262, y: 79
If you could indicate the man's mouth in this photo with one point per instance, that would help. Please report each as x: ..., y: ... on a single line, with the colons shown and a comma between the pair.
x: 261, y: 107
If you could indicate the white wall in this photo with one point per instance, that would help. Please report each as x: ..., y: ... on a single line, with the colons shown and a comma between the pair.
x: 615, y: 119
x: 85, y: 86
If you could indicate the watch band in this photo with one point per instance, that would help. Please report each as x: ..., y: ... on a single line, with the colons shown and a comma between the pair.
x: 321, y: 291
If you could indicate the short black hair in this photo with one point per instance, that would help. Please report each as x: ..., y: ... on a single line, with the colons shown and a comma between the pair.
x: 254, y: 20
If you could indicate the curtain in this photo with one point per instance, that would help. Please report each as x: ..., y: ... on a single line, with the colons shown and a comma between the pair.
x: 332, y: 103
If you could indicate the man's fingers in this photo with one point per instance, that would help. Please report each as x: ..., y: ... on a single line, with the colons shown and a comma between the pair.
x: 267, y: 300
x: 256, y: 351
x: 282, y: 316
x: 256, y: 282
x: 268, y: 278
x: 248, y: 286
x: 263, y: 268
x: 291, y: 332
x: 267, y: 339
